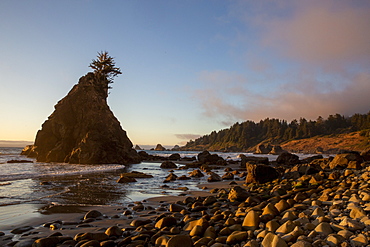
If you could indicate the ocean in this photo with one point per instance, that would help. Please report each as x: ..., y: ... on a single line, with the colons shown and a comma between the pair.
x: 35, y: 184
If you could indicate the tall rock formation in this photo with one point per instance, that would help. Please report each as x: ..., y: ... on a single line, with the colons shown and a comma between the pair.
x: 83, y: 130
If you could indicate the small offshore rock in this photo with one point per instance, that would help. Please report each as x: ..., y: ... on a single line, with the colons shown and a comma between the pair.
x: 124, y: 179
x: 214, y: 177
x: 168, y: 165
x: 196, y: 173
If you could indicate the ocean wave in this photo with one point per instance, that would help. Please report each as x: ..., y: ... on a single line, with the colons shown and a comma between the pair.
x: 44, y: 170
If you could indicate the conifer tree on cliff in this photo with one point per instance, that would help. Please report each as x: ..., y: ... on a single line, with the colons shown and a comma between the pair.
x: 104, y: 69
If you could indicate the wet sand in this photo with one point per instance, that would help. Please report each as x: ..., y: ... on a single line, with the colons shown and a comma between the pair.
x: 72, y: 214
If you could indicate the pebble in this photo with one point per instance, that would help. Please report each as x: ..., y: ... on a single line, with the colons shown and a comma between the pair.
x: 360, y: 240
x: 272, y: 240
x: 251, y: 220
x: 275, y: 214
x: 324, y: 228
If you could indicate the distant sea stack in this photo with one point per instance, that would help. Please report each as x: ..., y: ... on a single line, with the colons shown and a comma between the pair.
x: 159, y: 147
x: 83, y: 130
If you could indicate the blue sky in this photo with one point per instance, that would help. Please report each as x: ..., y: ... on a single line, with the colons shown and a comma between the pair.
x: 189, y: 67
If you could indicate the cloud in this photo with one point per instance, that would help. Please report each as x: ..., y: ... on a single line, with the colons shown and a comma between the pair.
x: 301, y: 59
x: 307, y: 99
x: 325, y: 32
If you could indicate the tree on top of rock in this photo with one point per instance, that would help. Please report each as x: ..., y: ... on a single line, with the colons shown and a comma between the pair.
x: 104, y: 67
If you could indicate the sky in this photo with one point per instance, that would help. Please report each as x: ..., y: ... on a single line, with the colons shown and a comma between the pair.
x: 188, y: 67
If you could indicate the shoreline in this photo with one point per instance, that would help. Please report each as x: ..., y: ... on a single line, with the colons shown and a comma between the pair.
x: 113, y: 215
x: 16, y: 215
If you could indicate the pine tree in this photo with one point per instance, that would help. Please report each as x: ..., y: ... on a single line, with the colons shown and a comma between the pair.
x: 104, y: 67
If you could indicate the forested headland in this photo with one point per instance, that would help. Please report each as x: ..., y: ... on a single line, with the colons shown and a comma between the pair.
x: 242, y: 137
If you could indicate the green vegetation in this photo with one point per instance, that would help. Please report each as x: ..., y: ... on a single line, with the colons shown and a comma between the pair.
x: 104, y: 67
x: 244, y: 136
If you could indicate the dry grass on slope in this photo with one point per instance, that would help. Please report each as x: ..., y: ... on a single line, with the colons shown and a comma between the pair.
x: 351, y: 141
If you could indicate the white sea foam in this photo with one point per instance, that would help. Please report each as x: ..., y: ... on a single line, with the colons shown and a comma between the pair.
x: 18, y: 171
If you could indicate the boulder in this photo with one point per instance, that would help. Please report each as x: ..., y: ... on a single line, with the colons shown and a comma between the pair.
x: 159, y: 147
x: 124, y: 179
x: 262, y: 149
x: 237, y: 193
x: 344, y: 160
x: 307, y: 169
x: 228, y: 176
x: 312, y: 158
x: 168, y: 165
x: 272, y: 240
x: 175, y: 156
x: 214, y: 177
x: 260, y: 173
x: 82, y: 129
x: 166, y: 222
x: 366, y: 154
x: 92, y: 214
x: 276, y: 150
x: 287, y: 159
x: 252, y: 159
x: 196, y: 173
x: 170, y: 177
x: 29, y: 151
x: 144, y: 155
x: 206, y: 157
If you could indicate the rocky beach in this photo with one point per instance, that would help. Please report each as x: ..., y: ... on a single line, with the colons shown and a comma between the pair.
x: 291, y: 200
x: 314, y: 201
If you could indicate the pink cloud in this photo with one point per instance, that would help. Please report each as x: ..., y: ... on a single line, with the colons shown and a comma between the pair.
x: 308, y: 58
x: 287, y: 102
x: 321, y: 32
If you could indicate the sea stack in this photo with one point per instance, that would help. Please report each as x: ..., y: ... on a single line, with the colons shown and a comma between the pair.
x: 83, y: 130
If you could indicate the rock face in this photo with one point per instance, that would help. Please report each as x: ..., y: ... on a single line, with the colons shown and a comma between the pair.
x: 83, y: 130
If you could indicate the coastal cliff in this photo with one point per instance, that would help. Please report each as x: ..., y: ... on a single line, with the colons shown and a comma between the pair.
x: 83, y: 130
